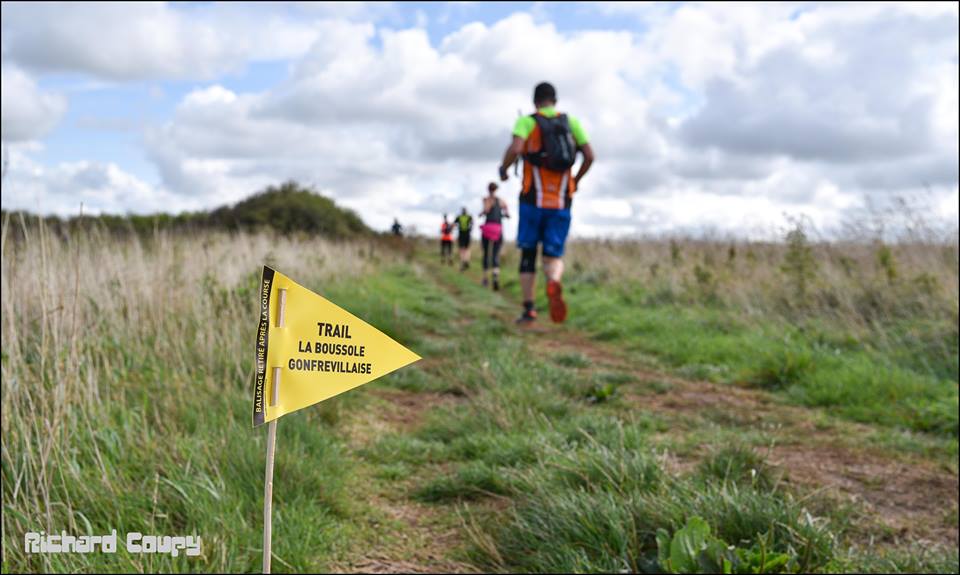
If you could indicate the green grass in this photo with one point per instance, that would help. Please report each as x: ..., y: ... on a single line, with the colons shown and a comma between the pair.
x: 847, y: 378
x: 470, y: 481
x: 172, y: 450
x: 572, y: 360
x: 917, y: 558
x: 598, y: 510
x: 587, y: 488
x: 541, y: 462
x: 740, y: 465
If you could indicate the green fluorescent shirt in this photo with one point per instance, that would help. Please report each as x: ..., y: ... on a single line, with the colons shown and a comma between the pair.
x: 525, y: 125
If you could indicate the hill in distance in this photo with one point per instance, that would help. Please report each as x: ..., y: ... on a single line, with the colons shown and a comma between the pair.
x: 288, y: 208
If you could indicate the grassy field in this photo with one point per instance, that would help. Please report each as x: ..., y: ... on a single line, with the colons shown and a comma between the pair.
x: 779, y: 407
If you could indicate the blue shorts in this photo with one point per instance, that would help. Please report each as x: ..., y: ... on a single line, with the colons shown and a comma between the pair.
x: 543, y: 225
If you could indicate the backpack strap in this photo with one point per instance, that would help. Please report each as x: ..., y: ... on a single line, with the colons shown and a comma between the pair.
x: 534, y: 157
x: 539, y: 119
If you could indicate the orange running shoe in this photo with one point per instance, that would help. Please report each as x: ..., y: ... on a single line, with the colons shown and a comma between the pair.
x: 558, y: 308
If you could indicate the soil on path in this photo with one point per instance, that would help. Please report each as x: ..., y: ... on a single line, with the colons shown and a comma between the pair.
x: 908, y: 497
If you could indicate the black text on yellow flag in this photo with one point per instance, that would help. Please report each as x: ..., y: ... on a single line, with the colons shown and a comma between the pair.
x: 321, y: 350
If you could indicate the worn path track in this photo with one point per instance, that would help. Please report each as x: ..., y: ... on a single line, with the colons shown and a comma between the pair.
x: 903, y: 496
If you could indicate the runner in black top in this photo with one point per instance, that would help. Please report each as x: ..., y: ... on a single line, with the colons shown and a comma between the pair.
x: 491, y: 233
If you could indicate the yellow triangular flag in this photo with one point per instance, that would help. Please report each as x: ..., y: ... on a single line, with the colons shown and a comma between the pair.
x: 320, y: 351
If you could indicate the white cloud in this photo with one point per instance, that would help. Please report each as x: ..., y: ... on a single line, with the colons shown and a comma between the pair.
x: 708, y: 115
x: 60, y: 189
x: 872, y: 98
x: 355, y: 118
x: 27, y: 112
x: 137, y: 40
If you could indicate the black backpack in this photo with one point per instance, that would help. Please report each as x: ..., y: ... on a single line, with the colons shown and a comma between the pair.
x: 558, y: 150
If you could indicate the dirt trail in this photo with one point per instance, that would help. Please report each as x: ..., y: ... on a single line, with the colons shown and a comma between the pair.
x: 417, y: 538
x: 909, y: 497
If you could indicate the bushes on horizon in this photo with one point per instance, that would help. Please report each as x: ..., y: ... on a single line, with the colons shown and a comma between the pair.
x: 288, y: 208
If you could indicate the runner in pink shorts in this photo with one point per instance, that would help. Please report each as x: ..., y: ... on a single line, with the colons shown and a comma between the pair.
x: 491, y: 234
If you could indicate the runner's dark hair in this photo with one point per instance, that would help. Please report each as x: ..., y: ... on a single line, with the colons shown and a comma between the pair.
x: 543, y: 93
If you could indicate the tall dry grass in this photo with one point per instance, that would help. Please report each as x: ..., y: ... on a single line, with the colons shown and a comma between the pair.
x: 108, y: 342
x: 857, y: 283
x: 862, y: 327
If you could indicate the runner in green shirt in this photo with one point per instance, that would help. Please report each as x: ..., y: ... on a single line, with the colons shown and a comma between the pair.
x: 464, y: 226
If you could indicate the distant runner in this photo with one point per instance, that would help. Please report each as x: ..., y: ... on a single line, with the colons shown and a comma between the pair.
x: 491, y: 233
x: 396, y: 228
x: 465, y: 225
x: 446, y: 241
x: 548, y: 142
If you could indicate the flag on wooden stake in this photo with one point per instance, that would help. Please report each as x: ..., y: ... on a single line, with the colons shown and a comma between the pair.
x: 322, y: 349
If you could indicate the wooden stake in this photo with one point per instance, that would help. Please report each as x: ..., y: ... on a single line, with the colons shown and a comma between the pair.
x: 271, y: 450
x: 268, y: 493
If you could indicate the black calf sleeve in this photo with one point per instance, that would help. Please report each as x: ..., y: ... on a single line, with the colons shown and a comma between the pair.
x: 528, y: 260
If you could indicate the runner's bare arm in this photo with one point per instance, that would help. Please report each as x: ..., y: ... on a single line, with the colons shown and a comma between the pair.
x: 585, y: 164
x: 510, y: 156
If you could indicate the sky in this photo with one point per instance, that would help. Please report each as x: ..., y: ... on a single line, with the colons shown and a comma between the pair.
x: 710, y: 118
